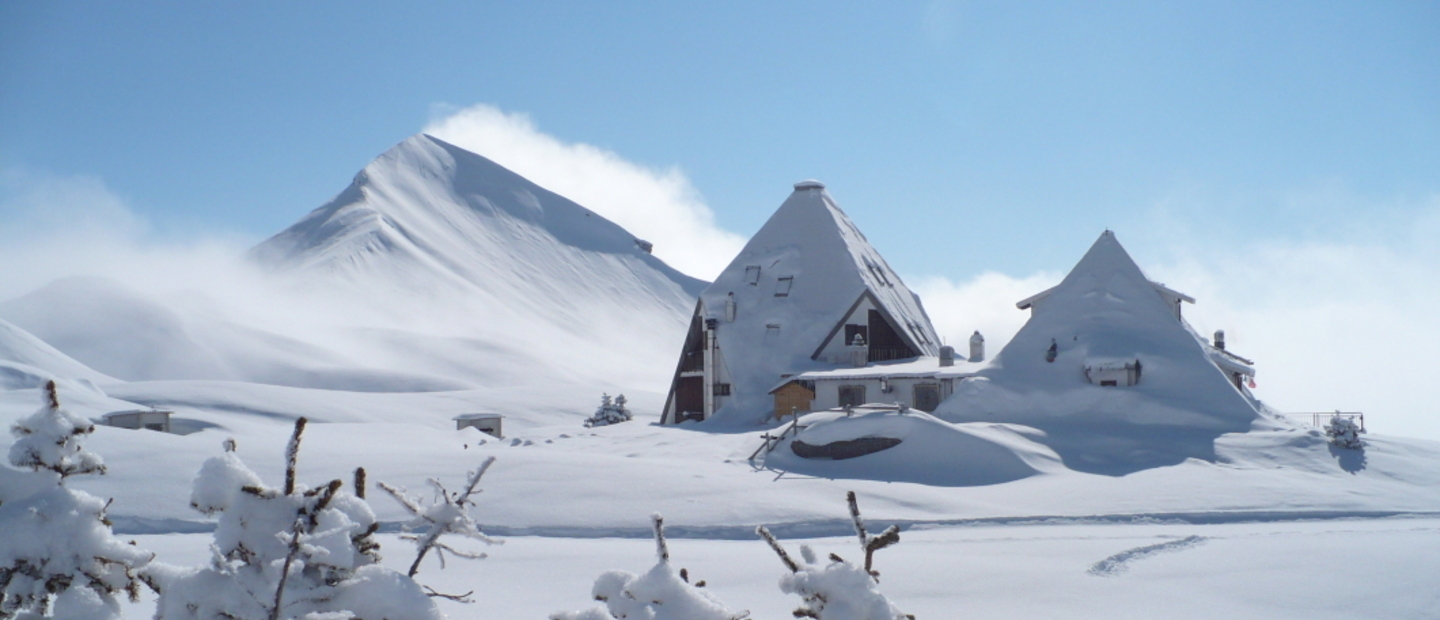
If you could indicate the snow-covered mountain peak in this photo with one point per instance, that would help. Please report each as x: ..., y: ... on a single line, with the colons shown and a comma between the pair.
x: 452, y: 212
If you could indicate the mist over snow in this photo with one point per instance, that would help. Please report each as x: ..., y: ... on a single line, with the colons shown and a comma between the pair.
x: 659, y: 205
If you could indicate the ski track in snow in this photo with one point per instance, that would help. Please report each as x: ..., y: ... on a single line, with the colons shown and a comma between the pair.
x: 1120, y: 562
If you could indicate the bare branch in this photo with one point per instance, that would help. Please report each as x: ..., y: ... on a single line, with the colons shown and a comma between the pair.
x: 399, y: 495
x: 290, y: 556
x: 52, y: 394
x: 662, y: 550
x: 292, y: 455
x: 474, y: 480
x: 360, y: 482
x: 779, y: 550
x: 856, y: 519
x: 459, y: 598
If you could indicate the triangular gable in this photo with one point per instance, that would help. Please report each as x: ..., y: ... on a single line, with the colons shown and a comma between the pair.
x: 907, y: 333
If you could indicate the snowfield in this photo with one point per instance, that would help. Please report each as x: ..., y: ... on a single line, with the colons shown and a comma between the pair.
x: 1318, y: 569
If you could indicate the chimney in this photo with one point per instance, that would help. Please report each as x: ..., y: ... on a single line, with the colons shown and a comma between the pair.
x: 947, y: 355
x: 1220, y: 339
x: 977, y: 347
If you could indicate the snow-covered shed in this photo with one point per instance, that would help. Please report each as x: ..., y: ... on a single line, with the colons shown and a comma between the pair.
x: 808, y: 292
x: 922, y: 383
x: 148, y: 419
x: 488, y: 423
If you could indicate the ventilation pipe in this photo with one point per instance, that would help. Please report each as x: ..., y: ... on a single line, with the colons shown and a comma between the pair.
x: 947, y: 356
x: 977, y: 347
x: 1220, y: 339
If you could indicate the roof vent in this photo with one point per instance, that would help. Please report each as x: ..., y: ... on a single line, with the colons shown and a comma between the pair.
x: 809, y: 184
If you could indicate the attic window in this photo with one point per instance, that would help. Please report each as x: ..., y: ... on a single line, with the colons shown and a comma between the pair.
x: 752, y: 275
x: 782, y: 286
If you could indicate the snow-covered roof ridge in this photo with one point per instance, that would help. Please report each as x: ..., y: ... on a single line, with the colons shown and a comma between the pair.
x: 1104, y: 253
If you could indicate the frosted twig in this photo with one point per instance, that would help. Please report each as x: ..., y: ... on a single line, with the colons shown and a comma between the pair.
x: 661, y: 550
x: 292, y: 455
x: 779, y: 550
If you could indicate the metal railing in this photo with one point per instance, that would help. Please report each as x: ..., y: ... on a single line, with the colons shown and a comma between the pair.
x: 1321, y: 418
x: 692, y: 362
x: 885, y: 354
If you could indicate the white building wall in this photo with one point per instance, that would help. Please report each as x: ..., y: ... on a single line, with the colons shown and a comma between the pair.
x: 902, y: 390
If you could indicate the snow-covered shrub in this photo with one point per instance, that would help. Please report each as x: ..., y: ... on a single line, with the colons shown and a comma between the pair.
x: 1344, y: 433
x: 838, y: 590
x: 449, y: 514
x: 660, y: 594
x: 609, y: 412
x: 58, y: 557
x: 289, y: 552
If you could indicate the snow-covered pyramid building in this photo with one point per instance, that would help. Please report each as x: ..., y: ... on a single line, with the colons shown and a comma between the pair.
x: 1108, y: 368
x: 807, y: 292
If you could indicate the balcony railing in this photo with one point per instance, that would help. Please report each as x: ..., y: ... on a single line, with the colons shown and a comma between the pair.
x: 885, y: 354
x: 693, y: 362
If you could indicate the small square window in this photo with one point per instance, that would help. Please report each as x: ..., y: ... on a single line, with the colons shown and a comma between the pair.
x: 752, y: 275
x: 782, y: 286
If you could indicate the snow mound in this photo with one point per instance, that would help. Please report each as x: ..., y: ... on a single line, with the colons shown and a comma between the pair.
x: 931, y: 451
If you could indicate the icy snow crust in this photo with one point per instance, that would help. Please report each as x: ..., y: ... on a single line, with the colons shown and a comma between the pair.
x: 811, y: 240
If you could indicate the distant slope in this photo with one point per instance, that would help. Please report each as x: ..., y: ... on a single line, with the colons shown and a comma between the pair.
x: 27, y: 361
x: 443, y: 234
x: 127, y: 335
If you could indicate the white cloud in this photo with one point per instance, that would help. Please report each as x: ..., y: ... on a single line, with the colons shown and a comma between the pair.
x: 660, y: 206
x: 985, y: 303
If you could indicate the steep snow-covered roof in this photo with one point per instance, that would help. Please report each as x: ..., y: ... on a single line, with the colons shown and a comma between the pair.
x: 792, y: 285
x: 1171, y: 295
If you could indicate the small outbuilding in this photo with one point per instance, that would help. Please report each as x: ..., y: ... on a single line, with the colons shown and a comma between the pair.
x: 148, y: 419
x: 918, y: 384
x: 488, y: 423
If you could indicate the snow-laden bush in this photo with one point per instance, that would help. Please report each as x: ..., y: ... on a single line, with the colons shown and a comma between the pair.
x: 289, y: 552
x: 609, y: 412
x: 1344, y: 433
x: 58, y: 557
x: 449, y: 514
x: 837, y: 589
x: 660, y: 594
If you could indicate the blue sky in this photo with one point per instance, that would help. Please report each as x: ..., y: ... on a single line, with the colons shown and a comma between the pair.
x: 1236, y: 147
